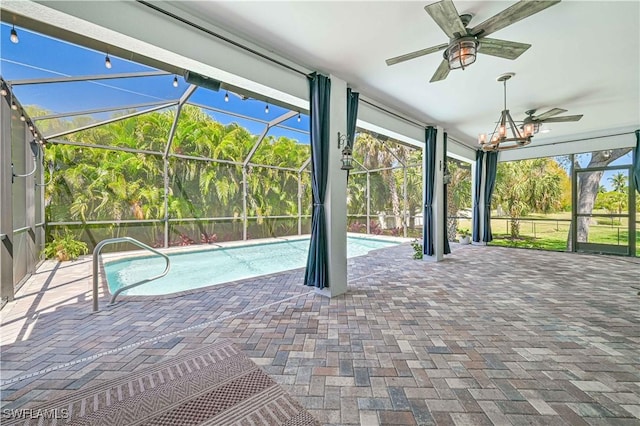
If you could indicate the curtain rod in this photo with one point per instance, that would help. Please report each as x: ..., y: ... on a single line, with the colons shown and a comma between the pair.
x: 221, y: 37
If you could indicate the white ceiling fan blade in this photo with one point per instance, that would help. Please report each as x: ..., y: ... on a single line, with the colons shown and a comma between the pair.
x: 447, y: 18
x: 416, y: 54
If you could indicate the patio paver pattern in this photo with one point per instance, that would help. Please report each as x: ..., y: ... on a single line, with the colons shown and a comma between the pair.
x: 489, y: 336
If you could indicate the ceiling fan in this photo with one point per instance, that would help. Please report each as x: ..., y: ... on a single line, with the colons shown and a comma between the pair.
x: 548, y: 117
x: 465, y: 42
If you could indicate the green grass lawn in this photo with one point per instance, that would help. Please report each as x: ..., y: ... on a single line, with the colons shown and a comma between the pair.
x: 552, y: 232
x: 553, y: 235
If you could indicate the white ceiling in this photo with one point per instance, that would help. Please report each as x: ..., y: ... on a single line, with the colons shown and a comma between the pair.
x: 584, y: 58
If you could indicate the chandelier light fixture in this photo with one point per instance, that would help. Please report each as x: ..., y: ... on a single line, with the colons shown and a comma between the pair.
x: 506, y: 134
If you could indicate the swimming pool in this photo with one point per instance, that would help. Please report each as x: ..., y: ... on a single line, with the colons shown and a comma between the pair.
x: 203, y: 268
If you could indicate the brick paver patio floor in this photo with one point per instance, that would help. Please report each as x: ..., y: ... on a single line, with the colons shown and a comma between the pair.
x: 488, y: 336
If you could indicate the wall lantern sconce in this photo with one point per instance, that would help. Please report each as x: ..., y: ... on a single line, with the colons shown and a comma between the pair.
x: 347, y: 154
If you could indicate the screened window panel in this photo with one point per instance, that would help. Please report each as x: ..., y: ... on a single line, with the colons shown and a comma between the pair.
x: 357, y: 194
x: 215, y: 135
x: 237, y: 104
x: 204, y: 189
x: 148, y: 132
x: 151, y: 234
x: 271, y: 192
x: 282, y: 152
x: 292, y: 126
x: 76, y: 96
x: 204, y: 231
x: 270, y: 228
x: 62, y: 124
x: 98, y: 184
x: 307, y: 198
x: 19, y: 149
x: 585, y: 159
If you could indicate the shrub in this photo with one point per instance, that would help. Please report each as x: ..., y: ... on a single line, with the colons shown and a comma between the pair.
x: 463, y: 232
x: 183, y: 240
x: 417, y: 249
x: 208, y: 238
x: 65, y: 247
x: 375, y: 228
x: 358, y: 227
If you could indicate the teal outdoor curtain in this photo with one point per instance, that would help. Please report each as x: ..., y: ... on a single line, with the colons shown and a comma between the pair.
x: 636, y: 162
x: 476, y: 198
x: 319, y: 93
x: 429, y: 177
x: 352, y: 117
x: 447, y: 248
x: 490, y: 183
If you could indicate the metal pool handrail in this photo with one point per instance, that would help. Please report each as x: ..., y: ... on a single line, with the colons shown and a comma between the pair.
x: 96, y: 253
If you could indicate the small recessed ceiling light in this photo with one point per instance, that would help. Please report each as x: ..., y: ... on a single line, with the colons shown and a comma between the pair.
x: 107, y: 62
x: 175, y: 81
x: 14, y: 35
x: 226, y: 97
x: 266, y: 109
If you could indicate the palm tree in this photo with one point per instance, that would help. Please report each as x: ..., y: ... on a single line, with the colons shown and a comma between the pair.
x: 374, y: 153
x: 619, y: 182
x: 527, y: 185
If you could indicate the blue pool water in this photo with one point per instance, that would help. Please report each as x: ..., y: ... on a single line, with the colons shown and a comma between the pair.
x: 215, y: 266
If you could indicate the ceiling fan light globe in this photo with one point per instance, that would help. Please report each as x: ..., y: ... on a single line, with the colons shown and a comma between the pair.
x: 528, y: 129
x: 461, y: 53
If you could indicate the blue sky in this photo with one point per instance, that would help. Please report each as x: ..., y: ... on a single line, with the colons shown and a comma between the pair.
x: 37, y: 56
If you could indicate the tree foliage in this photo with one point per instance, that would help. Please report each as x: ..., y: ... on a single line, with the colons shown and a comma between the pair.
x: 528, y: 186
x: 93, y: 184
